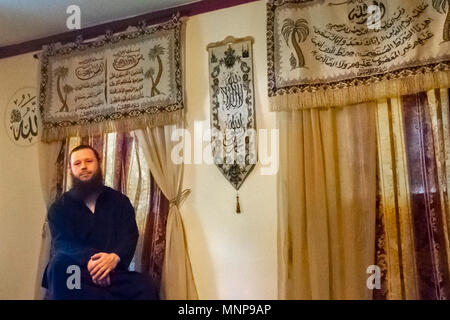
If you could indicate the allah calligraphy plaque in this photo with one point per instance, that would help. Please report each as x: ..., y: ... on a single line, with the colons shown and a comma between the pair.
x: 338, y: 52
x: 22, y: 118
x: 117, y: 81
x: 232, y: 104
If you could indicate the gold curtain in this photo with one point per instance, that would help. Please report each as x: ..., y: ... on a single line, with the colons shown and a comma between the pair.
x: 177, y: 280
x: 327, y: 197
x: 366, y: 185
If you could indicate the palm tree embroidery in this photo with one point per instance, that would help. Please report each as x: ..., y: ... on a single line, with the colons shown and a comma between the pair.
x: 155, y: 53
x: 443, y: 6
x: 298, y: 32
x: 61, y: 73
x: 67, y: 89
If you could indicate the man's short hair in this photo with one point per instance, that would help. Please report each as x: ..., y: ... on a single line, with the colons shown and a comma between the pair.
x: 84, y: 146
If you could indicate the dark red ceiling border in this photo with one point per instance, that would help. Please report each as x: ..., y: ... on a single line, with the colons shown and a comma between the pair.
x: 190, y: 9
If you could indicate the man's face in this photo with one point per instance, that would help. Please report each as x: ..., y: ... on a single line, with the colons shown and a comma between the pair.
x: 84, y: 164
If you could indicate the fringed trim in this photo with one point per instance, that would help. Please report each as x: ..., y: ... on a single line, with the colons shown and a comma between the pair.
x: 357, y: 94
x: 119, y: 125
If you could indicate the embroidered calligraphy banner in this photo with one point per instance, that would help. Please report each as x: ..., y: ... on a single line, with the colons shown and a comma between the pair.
x: 119, y: 82
x: 233, y: 136
x: 339, y: 52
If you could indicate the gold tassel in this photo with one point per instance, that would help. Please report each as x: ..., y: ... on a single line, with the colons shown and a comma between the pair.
x: 238, y: 207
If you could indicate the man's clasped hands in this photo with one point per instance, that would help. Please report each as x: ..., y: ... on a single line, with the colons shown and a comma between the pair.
x: 100, y: 265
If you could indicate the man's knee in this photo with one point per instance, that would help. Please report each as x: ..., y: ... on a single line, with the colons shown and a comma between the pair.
x: 150, y: 288
x: 141, y: 286
x: 64, y: 275
x: 59, y: 258
x: 62, y: 263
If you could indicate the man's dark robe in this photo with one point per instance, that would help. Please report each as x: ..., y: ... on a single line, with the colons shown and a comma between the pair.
x: 77, y: 234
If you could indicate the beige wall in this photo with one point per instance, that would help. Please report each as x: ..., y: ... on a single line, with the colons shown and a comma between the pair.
x: 233, y: 256
x: 22, y: 208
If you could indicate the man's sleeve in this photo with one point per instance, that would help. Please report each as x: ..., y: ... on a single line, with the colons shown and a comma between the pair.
x: 64, y: 239
x: 128, y: 234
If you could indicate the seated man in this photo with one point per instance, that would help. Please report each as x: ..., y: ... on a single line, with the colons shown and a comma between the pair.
x: 93, y: 230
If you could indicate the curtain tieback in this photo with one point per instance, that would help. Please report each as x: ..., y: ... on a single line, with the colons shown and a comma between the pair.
x: 180, y: 197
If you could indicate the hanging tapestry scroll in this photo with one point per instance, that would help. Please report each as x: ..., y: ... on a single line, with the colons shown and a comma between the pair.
x: 233, y: 136
x: 339, y: 52
x: 117, y: 82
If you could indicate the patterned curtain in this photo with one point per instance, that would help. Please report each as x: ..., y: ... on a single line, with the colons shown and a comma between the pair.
x: 154, y: 242
x: 413, y: 218
x: 125, y: 170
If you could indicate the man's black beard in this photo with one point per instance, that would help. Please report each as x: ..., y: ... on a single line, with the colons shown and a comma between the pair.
x: 83, y: 189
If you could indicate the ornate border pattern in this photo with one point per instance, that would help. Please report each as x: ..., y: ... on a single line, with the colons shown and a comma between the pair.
x: 273, y: 90
x: 142, y: 30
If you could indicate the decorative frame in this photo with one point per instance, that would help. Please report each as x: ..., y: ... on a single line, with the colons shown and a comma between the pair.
x: 104, y: 117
